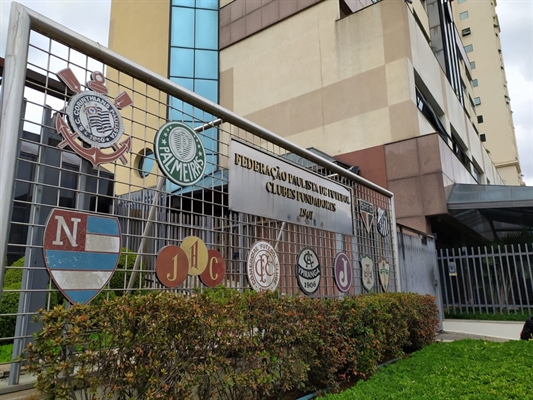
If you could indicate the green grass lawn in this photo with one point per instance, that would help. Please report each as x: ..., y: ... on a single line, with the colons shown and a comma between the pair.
x: 465, y: 369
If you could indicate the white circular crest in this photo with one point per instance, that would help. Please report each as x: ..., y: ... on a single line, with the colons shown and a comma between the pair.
x: 308, y: 271
x: 263, y: 267
x: 95, y: 119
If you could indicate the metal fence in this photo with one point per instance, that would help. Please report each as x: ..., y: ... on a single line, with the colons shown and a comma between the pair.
x: 40, y: 174
x: 419, y: 272
x: 495, y: 279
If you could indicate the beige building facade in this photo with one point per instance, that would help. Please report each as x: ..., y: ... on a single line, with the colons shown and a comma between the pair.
x: 351, y: 82
x: 477, y: 22
x: 384, y: 86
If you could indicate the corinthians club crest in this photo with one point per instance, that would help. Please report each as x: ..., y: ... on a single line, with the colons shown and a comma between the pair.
x: 92, y: 121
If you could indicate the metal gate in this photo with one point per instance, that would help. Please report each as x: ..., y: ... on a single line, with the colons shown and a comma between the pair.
x: 48, y: 174
x: 495, y: 279
x: 419, y: 272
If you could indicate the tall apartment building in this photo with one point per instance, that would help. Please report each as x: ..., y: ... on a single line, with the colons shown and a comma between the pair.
x: 478, y: 25
x: 382, y: 85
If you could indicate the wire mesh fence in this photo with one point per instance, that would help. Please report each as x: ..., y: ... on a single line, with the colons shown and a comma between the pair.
x: 53, y: 173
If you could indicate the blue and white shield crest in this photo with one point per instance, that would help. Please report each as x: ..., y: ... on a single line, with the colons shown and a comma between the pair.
x: 81, y: 252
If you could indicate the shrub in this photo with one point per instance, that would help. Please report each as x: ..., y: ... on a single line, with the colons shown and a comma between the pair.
x: 221, y: 343
x: 9, y: 305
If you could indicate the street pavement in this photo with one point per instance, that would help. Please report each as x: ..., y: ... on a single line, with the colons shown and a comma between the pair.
x: 457, y: 329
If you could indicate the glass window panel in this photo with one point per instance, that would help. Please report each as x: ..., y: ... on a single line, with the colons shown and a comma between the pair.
x: 182, y: 62
x: 146, y: 163
x: 180, y: 111
x: 469, y: 48
x: 207, y: 89
x: 182, y: 29
x: 183, y: 3
x: 185, y: 82
x: 207, y: 29
x: 206, y: 64
x: 473, y: 65
x: 211, y: 4
x: 474, y: 83
x: 463, y: 15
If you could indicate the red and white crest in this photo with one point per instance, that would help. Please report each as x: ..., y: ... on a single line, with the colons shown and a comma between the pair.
x: 366, y: 210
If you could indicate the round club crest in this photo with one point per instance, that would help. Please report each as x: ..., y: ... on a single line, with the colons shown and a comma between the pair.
x: 95, y: 119
x: 308, y: 271
x: 180, y: 153
x: 343, y: 272
x: 263, y: 267
x: 92, y: 119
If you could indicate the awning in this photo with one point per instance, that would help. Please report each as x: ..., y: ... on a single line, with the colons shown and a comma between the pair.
x: 492, y: 210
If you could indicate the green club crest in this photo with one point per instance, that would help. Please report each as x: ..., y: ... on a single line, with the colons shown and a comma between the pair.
x: 180, y: 153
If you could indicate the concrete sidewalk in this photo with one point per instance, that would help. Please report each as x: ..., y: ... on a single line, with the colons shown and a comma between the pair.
x: 457, y: 329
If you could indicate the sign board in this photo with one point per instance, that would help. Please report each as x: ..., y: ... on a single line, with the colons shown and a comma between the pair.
x: 452, y: 268
x: 265, y: 185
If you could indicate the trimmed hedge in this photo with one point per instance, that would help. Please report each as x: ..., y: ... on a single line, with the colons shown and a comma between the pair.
x: 223, y: 344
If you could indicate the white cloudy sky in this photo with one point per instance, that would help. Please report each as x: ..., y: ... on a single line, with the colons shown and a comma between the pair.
x: 91, y: 18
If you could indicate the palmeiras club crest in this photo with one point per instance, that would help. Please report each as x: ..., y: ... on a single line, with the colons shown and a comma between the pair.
x: 366, y: 210
x: 180, y: 153
x: 382, y: 222
x: 81, y: 252
x: 384, y: 273
x: 93, y: 122
x: 367, y: 266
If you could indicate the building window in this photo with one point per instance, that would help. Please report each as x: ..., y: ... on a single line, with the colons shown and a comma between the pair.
x: 466, y: 32
x: 193, y: 64
x: 463, y: 15
x: 476, y: 173
x: 474, y: 83
x: 480, y: 119
x: 145, y: 162
x: 472, y: 65
x: 477, y: 101
x: 430, y: 115
x: 460, y: 1
x: 469, y: 48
